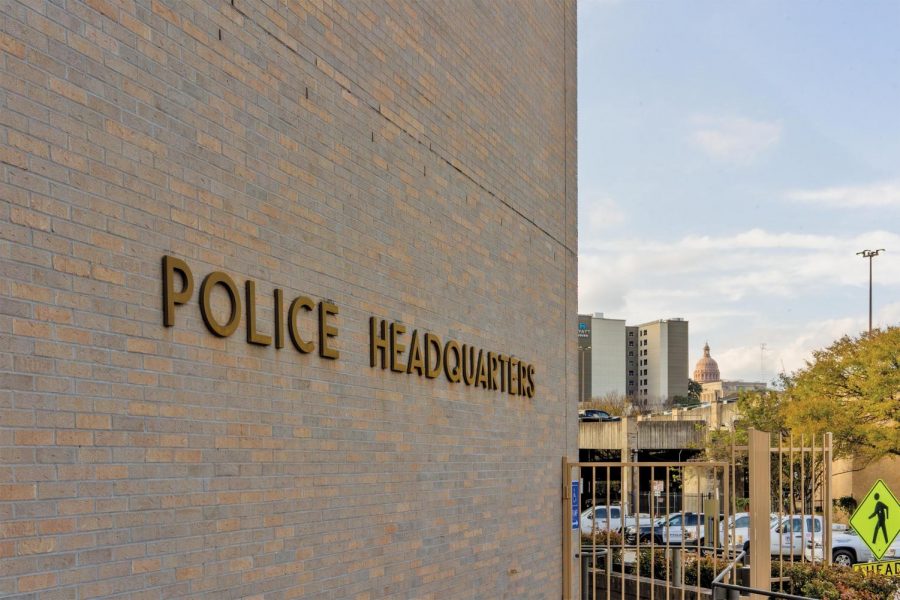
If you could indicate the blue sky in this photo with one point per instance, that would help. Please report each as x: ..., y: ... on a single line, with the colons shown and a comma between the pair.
x: 733, y: 158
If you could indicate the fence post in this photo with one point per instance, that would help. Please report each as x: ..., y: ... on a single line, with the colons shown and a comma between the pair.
x: 760, y: 509
x: 828, y: 459
x: 568, y: 555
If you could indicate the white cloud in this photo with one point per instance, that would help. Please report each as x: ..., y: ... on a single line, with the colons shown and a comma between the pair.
x: 789, y: 348
x: 878, y: 195
x: 744, y: 264
x: 744, y: 289
x: 735, y: 140
x: 597, y: 215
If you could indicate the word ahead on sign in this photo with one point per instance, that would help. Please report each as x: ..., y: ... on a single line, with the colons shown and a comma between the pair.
x: 172, y: 298
x: 888, y: 567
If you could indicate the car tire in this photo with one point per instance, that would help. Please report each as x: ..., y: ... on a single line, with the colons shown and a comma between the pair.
x: 843, y: 558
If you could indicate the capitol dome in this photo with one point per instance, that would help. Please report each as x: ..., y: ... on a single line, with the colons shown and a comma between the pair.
x: 707, y: 369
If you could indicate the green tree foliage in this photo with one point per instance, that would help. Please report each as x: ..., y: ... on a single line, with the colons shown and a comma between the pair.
x: 693, y: 395
x: 852, y: 389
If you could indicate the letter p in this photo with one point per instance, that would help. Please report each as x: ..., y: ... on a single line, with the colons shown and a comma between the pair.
x: 170, y: 266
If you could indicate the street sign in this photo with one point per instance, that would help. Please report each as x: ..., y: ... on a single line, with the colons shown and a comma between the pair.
x: 888, y: 567
x: 576, y: 502
x: 877, y: 519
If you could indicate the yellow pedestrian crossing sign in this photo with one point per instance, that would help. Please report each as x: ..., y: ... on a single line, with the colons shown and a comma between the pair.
x: 877, y: 519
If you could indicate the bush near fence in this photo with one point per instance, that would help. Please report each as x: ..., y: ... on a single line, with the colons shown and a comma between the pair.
x: 839, y: 583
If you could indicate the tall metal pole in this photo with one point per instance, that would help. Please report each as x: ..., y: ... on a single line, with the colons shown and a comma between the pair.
x: 870, y: 254
x: 582, y: 350
x: 581, y: 375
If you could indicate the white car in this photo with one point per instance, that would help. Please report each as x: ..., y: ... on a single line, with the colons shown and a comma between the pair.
x: 607, y: 518
x: 847, y: 549
x: 739, y: 526
x: 790, y: 535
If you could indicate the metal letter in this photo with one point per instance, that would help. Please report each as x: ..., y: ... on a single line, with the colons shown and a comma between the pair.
x: 170, y: 264
x: 433, y: 366
x: 377, y: 343
x: 504, y: 370
x: 253, y: 336
x: 294, y: 331
x: 279, y: 319
x: 492, y: 369
x: 482, y: 378
x: 396, y: 347
x: 211, y: 280
x: 453, y: 374
x: 510, y: 380
x: 326, y: 331
x: 416, y: 362
x: 469, y: 366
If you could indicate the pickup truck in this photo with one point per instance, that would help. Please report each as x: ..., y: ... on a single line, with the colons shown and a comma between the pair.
x: 608, y: 518
x: 790, y: 535
x: 847, y: 549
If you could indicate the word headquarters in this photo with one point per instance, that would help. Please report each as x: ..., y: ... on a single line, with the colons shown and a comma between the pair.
x: 423, y: 355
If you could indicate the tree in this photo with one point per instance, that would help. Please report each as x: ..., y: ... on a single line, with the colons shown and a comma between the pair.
x: 852, y: 389
x: 693, y: 395
x: 612, y: 402
x: 694, y: 390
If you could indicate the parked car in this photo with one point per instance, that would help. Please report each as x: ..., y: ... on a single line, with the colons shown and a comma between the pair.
x: 671, y: 529
x: 608, y: 518
x: 847, y: 549
x: 739, y: 526
x: 595, y: 414
x: 789, y: 535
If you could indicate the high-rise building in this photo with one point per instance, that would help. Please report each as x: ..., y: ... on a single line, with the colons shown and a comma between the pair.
x: 647, y: 363
x: 662, y: 361
x: 601, y: 360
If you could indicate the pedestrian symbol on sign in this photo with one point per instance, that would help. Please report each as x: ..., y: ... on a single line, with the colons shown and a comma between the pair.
x: 881, y: 511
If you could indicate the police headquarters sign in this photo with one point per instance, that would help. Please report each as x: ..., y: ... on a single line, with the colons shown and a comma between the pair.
x: 423, y: 354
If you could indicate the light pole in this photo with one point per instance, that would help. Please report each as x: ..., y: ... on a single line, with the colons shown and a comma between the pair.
x: 870, y: 254
x: 582, y: 351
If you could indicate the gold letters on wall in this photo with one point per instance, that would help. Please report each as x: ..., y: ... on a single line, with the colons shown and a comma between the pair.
x: 422, y: 354
x: 173, y: 297
x: 428, y: 356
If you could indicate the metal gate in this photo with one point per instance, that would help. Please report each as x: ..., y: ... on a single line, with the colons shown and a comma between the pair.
x: 677, y: 530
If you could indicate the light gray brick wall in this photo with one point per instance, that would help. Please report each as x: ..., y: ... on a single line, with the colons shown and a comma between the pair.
x: 412, y: 161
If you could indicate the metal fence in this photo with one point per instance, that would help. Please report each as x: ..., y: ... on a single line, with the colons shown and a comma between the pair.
x: 677, y: 530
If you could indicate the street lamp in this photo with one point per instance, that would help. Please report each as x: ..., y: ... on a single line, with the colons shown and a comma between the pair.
x: 870, y: 254
x: 582, y: 351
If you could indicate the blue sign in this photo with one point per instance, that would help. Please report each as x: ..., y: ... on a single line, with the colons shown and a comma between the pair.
x: 575, y: 504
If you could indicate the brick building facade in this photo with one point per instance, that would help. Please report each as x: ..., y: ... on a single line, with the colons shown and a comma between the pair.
x: 412, y: 162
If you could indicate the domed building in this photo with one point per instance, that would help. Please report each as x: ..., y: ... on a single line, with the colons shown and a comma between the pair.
x: 715, y: 389
x: 707, y: 369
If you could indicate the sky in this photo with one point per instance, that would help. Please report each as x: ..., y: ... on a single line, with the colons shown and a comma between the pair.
x: 733, y: 157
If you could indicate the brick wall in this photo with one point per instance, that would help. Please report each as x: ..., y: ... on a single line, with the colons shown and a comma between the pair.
x: 409, y: 161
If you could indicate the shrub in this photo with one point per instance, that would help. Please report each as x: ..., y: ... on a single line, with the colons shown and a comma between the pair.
x: 658, y: 561
x: 709, y: 567
x: 602, y: 537
x: 838, y: 583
